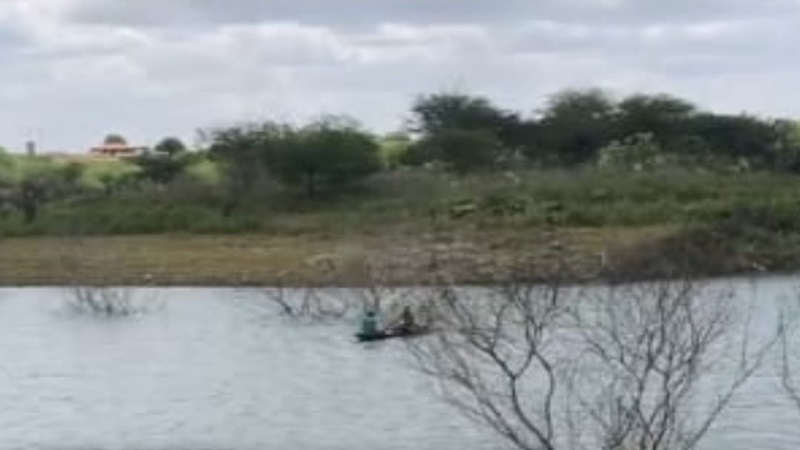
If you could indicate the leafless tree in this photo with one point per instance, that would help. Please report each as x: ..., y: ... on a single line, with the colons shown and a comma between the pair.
x: 664, y: 353
x: 379, y: 293
x: 88, y: 291
x: 788, y: 355
x: 549, y: 366
x: 306, y: 303
x: 498, y: 358
x: 296, y: 301
x: 104, y: 301
x: 333, y: 303
x: 788, y: 382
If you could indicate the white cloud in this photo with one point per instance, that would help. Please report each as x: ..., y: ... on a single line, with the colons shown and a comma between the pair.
x: 76, y: 69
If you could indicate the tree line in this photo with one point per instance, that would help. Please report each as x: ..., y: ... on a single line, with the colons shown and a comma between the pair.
x: 454, y: 131
x: 462, y: 132
x: 579, y: 127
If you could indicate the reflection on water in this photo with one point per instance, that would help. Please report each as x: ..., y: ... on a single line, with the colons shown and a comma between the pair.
x: 198, y: 374
x: 207, y: 371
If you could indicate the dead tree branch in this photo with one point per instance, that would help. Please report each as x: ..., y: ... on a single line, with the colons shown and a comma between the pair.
x: 553, y: 367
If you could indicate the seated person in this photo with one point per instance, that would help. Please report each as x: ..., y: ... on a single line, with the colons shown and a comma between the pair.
x: 407, y: 323
x: 369, y: 324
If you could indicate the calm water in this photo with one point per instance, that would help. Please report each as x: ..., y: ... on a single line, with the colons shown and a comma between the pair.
x: 203, y: 371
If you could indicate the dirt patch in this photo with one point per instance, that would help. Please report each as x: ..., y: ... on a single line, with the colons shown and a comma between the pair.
x: 396, y: 258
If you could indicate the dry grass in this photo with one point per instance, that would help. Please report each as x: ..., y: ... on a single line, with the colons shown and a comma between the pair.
x: 235, y: 260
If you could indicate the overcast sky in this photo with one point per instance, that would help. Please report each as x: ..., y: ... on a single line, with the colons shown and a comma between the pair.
x: 74, y: 70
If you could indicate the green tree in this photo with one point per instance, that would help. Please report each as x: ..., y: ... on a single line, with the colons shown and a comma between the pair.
x: 6, y: 165
x: 329, y: 153
x: 115, y: 139
x: 43, y: 185
x: 166, y: 163
x: 243, y: 152
x: 662, y: 115
x: 433, y: 114
x: 637, y: 153
x: 462, y: 150
x: 439, y: 112
x: 786, y: 148
x: 30, y: 195
x: 238, y: 150
x: 393, y: 149
x: 159, y: 168
x: 417, y: 154
x: 171, y: 147
x: 72, y: 173
x: 575, y: 124
x: 529, y: 133
x: 735, y: 136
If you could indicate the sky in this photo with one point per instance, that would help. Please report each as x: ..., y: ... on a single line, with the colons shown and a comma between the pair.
x: 76, y: 70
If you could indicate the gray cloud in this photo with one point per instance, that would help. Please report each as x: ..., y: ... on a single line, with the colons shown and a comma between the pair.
x: 327, y: 12
x: 351, y: 12
x: 77, y: 69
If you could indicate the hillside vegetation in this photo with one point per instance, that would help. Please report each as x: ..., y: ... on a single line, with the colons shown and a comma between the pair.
x: 464, y: 169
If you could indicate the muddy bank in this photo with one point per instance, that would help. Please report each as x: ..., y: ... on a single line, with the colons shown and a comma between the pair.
x: 353, y: 260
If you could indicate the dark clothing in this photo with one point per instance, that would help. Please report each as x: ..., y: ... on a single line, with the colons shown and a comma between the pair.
x: 406, y: 322
x: 408, y: 318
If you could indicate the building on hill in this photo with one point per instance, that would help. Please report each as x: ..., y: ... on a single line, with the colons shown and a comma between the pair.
x: 115, y: 146
x: 117, y: 151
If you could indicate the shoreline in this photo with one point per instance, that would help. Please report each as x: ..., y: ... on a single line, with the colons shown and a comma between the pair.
x: 355, y: 260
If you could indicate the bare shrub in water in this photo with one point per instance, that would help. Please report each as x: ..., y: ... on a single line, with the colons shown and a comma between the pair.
x: 86, y: 292
x: 671, y: 356
x: 319, y: 304
x: 552, y: 367
x: 306, y: 303
x: 103, y: 301
x: 491, y: 344
x: 299, y: 302
x: 789, y: 355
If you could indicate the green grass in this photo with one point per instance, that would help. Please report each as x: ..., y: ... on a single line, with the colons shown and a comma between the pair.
x: 205, y: 171
x: 578, y: 198
x: 414, y: 199
x: 96, y: 172
x: 15, y: 168
x: 649, y: 224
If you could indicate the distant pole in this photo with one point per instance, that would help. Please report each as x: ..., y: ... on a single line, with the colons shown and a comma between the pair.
x: 30, y: 148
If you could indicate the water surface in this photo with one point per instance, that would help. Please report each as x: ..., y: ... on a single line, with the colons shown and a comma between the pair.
x: 206, y: 370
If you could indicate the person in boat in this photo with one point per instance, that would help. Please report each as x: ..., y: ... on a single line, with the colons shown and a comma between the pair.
x: 369, y: 324
x: 407, y: 322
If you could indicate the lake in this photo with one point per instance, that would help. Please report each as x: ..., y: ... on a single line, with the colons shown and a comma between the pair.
x: 207, y: 369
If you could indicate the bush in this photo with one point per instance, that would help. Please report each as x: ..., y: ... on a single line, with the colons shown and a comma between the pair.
x: 111, y: 219
x: 171, y: 146
x: 462, y: 150
x: 327, y: 154
x: 637, y: 152
x: 6, y: 168
x: 166, y: 163
x: 417, y: 154
x: 161, y: 168
x: 393, y: 150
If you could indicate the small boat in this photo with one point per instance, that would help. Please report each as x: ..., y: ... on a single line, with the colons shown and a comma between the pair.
x: 379, y: 336
x: 393, y: 333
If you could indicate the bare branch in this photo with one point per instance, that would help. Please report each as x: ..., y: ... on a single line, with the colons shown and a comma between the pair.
x: 88, y: 293
x: 612, y: 367
x: 787, y: 330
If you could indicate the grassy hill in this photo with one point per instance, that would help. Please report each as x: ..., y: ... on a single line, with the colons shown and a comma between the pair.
x: 621, y: 221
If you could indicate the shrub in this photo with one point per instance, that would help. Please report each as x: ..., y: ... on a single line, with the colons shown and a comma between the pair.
x: 637, y: 152
x: 327, y: 154
x: 462, y: 150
